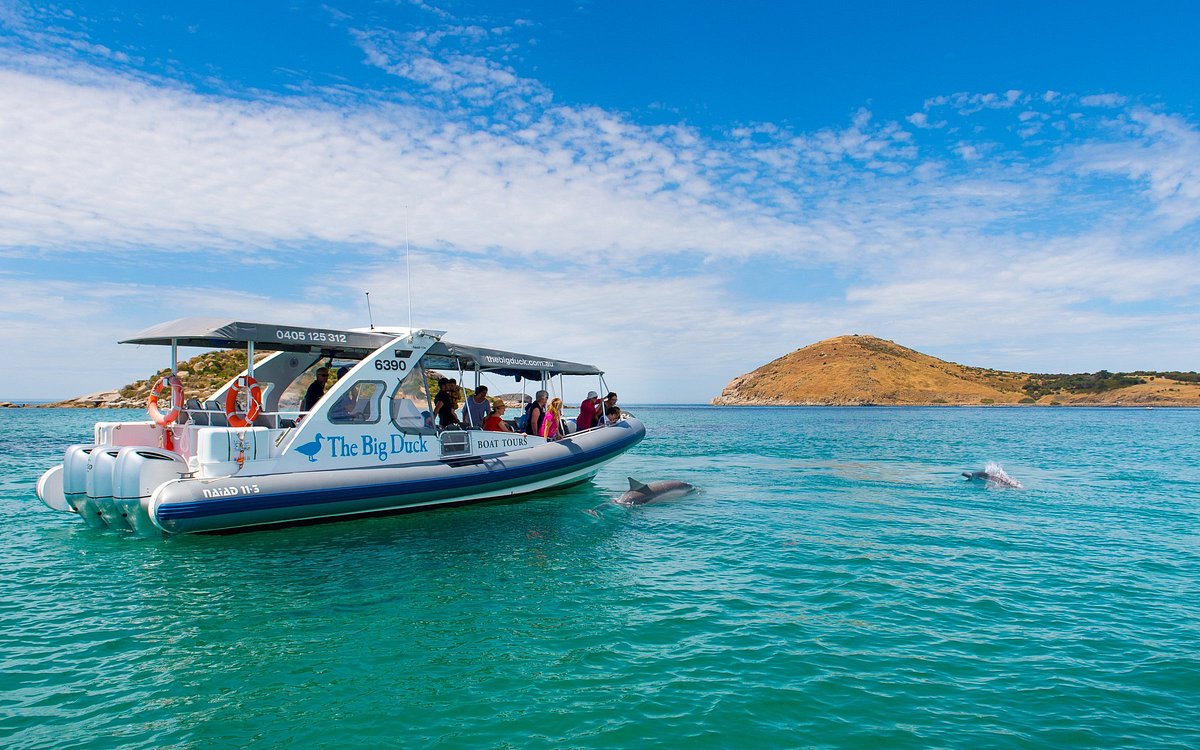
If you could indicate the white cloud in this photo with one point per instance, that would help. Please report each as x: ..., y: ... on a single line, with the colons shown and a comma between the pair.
x: 126, y: 164
x: 577, y: 232
x: 1162, y: 156
x: 1103, y: 100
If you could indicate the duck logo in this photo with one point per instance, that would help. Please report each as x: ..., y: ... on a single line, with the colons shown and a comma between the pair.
x: 311, y: 449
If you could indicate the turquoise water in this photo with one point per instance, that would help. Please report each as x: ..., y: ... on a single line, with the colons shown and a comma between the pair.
x: 835, y: 584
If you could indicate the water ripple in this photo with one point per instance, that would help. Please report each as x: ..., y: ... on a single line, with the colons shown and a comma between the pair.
x: 835, y: 584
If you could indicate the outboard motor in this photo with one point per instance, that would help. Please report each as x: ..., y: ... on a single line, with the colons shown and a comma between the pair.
x: 99, y: 510
x: 139, y: 471
x: 74, y: 481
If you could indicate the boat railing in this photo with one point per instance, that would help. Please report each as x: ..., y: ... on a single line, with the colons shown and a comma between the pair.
x: 212, y: 414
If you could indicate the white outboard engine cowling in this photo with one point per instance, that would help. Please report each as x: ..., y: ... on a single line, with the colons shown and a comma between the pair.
x: 75, y: 471
x: 140, y: 470
x: 99, y: 510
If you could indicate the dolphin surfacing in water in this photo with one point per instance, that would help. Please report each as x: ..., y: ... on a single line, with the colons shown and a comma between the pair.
x: 640, y: 494
x: 994, y: 476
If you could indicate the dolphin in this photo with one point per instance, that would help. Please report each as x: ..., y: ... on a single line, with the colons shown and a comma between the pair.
x: 994, y: 476
x: 640, y: 494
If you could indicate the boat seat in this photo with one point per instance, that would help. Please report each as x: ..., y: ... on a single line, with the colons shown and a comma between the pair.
x: 196, y: 412
x: 216, y: 414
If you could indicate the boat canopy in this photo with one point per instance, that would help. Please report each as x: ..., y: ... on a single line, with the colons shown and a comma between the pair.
x: 222, y: 333
x: 462, y: 357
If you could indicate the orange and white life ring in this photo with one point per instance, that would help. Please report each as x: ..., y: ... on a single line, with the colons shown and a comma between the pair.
x: 176, y: 401
x: 244, y: 383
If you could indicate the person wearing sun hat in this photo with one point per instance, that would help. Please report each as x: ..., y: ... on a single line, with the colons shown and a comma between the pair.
x: 588, y: 411
x: 495, y: 421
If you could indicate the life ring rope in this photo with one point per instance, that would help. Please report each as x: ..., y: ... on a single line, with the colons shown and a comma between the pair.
x: 176, y: 400
x: 235, y: 418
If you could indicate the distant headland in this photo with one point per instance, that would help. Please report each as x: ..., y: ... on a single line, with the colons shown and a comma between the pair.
x: 201, y: 375
x: 864, y: 370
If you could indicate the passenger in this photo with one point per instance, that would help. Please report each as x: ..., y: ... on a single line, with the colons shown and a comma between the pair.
x: 609, y: 402
x: 477, y: 407
x: 612, y: 415
x: 588, y: 413
x: 495, y: 421
x: 346, y: 407
x: 550, y: 421
x: 444, y: 402
x: 535, y: 412
x: 316, y: 389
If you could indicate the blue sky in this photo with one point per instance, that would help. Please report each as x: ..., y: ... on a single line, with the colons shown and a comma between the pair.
x: 678, y: 192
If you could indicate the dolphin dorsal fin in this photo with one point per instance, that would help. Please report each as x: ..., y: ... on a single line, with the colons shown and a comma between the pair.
x: 635, y: 485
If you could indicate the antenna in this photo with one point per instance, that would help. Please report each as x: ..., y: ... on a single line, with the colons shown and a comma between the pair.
x: 370, y: 319
x: 408, y: 268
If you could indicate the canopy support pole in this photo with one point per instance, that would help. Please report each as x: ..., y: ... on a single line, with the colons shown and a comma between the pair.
x: 250, y: 359
x: 174, y: 356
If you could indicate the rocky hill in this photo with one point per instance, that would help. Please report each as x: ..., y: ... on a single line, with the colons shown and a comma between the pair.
x: 201, y: 375
x: 860, y: 370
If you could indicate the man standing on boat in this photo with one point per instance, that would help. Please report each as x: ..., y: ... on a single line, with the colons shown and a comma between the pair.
x: 588, y: 412
x: 316, y: 389
x: 444, y: 403
x: 477, y: 408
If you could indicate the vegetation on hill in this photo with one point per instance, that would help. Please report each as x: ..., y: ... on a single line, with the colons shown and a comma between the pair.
x: 202, y: 376
x: 1096, y: 382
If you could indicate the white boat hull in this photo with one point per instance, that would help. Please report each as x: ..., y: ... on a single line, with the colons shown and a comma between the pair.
x: 149, y: 491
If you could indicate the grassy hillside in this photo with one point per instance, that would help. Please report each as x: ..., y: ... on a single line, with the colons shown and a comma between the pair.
x: 201, y: 375
x: 850, y: 370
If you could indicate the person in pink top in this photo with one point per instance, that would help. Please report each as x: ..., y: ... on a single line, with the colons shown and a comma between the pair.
x: 588, y: 412
x: 550, y: 422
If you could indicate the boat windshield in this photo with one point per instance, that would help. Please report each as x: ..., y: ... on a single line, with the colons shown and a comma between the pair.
x: 411, y: 411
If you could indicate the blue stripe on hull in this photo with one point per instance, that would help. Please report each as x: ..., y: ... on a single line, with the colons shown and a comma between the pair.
x: 441, y: 487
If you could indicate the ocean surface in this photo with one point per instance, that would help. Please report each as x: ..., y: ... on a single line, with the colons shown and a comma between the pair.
x: 835, y: 584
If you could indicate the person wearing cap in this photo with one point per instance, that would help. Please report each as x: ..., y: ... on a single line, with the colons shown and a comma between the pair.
x: 588, y: 411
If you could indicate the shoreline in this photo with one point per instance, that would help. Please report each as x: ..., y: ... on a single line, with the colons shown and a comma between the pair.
x: 1076, y: 405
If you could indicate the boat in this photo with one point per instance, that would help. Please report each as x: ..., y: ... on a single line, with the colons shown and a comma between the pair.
x: 239, y: 460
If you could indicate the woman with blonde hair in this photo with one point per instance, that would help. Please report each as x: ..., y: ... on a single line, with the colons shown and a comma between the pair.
x: 550, y: 422
x: 495, y: 421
